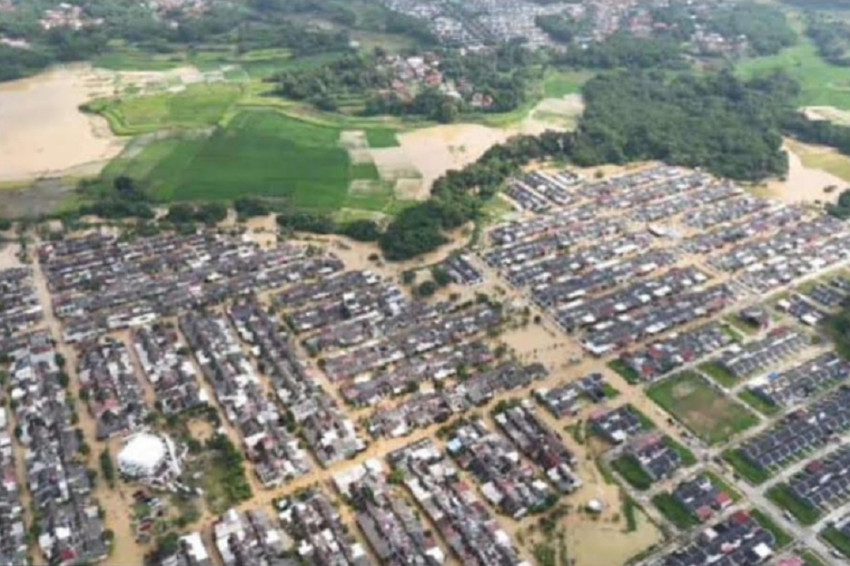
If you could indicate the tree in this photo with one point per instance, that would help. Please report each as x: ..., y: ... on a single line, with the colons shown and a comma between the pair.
x: 181, y: 213
x: 107, y: 468
x: 426, y: 289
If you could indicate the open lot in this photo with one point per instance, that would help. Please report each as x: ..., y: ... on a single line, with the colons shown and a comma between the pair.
x: 704, y: 410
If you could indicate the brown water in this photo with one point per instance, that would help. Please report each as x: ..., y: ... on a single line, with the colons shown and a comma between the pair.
x: 44, y: 133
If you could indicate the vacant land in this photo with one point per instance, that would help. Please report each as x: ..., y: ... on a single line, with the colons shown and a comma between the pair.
x: 824, y: 158
x: 705, y: 411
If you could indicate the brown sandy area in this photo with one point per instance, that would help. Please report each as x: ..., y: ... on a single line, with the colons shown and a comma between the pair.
x: 804, y: 184
x: 45, y: 134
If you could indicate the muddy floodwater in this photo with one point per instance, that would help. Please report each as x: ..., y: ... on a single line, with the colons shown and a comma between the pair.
x: 43, y: 131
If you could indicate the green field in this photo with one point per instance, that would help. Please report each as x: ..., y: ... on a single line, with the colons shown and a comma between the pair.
x: 381, y: 137
x: 196, y: 106
x: 706, y: 412
x: 674, y: 511
x: 261, y: 153
x: 785, y: 498
x: 823, y: 84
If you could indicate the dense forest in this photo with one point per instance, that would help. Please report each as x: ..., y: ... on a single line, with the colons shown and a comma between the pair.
x: 503, y: 75
x: 717, y: 121
x: 623, y: 50
x: 832, y: 38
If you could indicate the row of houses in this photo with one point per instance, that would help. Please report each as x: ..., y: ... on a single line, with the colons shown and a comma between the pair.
x: 69, y: 522
x: 100, y: 283
x: 20, y: 309
x: 110, y: 386
x: 275, y: 451
x: 394, y: 530
x: 422, y: 410
x: 329, y: 433
x: 462, y: 519
x: 799, y: 432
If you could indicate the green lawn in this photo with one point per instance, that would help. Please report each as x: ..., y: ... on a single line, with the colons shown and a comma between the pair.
x: 719, y: 374
x: 260, y: 153
x: 197, y: 106
x: 558, y: 84
x: 706, y: 412
x: 381, y: 137
x: 758, y: 403
x: 839, y: 540
x: 687, y: 457
x: 744, y: 468
x: 823, y: 84
x: 783, y: 539
x: 626, y: 372
x: 723, y: 485
x: 785, y: 498
x: 629, y: 469
x: 811, y: 559
x: 674, y: 511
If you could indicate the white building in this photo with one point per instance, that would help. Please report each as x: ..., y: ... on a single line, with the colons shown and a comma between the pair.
x: 146, y: 456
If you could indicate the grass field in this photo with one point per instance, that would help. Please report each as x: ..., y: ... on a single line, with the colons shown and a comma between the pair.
x: 837, y: 539
x: 197, y: 106
x: 674, y: 511
x: 811, y: 559
x: 744, y: 468
x: 558, y: 84
x: 706, y: 412
x: 626, y: 372
x: 381, y: 137
x: 758, y: 403
x: 260, y: 153
x: 826, y: 159
x: 629, y: 469
x: 823, y: 84
x: 723, y: 485
x: 785, y: 498
x: 783, y: 539
x: 719, y: 374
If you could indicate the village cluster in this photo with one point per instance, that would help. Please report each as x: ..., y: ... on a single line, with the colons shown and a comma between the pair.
x: 478, y: 23
x: 346, y: 420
